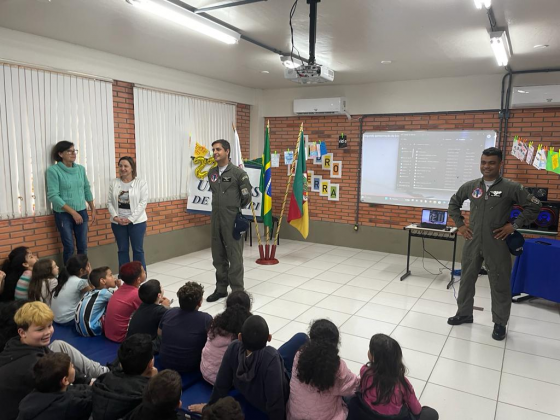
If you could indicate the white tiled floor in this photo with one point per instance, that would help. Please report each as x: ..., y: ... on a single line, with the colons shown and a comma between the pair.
x: 460, y: 371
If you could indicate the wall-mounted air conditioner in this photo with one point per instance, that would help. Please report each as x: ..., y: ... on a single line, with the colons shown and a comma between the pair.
x: 323, y: 106
x: 535, y: 96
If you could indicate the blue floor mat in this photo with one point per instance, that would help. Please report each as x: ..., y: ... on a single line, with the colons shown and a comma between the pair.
x: 99, y: 349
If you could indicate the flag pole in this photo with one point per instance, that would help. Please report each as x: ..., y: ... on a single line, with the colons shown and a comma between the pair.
x: 252, y: 207
x: 256, y: 225
x: 296, y: 152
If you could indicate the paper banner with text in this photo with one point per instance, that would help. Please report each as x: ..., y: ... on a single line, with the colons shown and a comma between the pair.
x: 200, y: 200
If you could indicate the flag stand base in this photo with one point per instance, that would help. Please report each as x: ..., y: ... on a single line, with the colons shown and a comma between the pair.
x: 268, y: 257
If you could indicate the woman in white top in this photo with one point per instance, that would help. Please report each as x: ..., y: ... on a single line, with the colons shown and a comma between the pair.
x: 127, y: 201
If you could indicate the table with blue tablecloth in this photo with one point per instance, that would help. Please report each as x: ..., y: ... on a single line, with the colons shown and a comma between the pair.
x: 537, y: 271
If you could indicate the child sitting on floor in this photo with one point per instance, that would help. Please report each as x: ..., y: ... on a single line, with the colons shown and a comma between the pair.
x: 24, y: 259
x: 90, y: 312
x: 162, y: 397
x: 385, y: 393
x: 321, y: 378
x: 53, y: 398
x: 117, y: 393
x: 224, y: 329
x: 35, y: 329
x: 43, y: 281
x: 259, y: 372
x: 124, y: 301
x: 148, y: 316
x: 183, y: 331
x: 72, y: 284
x: 224, y: 409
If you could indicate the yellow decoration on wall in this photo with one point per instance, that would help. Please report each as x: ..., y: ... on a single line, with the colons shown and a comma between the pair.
x: 201, y: 162
x: 200, y: 150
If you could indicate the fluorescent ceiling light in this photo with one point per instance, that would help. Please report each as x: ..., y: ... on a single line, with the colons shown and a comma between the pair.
x: 480, y: 3
x: 288, y: 62
x: 500, y: 46
x: 187, y: 19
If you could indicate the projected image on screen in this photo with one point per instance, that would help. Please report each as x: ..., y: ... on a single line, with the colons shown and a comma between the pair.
x: 420, y: 168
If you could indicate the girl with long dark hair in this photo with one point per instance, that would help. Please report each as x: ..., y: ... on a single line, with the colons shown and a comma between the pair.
x: 72, y: 285
x: 224, y: 329
x: 43, y: 281
x: 384, y: 390
x: 320, y: 377
x: 16, y: 267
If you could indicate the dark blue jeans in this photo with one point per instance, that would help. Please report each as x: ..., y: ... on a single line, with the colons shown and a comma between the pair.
x: 132, y: 234
x: 69, y: 229
x: 289, y: 349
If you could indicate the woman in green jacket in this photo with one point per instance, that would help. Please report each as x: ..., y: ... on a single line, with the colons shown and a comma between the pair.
x: 68, y: 190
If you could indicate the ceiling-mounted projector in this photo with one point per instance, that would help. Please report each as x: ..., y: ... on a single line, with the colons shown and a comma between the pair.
x: 309, y: 74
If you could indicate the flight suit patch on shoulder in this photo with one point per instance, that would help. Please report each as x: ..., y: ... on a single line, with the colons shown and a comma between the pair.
x: 244, y: 191
x: 244, y: 177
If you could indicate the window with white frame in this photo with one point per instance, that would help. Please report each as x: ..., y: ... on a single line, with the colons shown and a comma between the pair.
x: 164, y: 124
x: 39, y: 108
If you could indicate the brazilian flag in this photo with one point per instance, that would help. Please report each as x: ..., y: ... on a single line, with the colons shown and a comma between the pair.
x: 266, y: 181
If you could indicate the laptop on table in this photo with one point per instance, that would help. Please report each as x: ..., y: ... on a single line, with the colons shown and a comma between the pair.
x: 434, y: 219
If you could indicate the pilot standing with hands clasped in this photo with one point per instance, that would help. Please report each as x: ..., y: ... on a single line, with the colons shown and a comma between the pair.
x: 231, y: 190
x: 487, y: 236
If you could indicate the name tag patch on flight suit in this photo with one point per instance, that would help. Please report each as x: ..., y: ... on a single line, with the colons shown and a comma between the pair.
x: 477, y: 193
x: 214, y: 178
x: 496, y: 193
x: 226, y: 179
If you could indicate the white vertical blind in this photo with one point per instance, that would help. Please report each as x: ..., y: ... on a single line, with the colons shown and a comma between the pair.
x: 164, y: 121
x: 38, y: 109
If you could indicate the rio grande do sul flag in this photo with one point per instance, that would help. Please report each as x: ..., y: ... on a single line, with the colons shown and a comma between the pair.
x: 298, y: 214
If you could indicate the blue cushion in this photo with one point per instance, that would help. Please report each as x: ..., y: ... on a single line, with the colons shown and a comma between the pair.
x: 100, y: 349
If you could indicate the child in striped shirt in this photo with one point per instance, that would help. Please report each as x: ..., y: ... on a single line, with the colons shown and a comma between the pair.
x: 22, y: 286
x: 90, y: 312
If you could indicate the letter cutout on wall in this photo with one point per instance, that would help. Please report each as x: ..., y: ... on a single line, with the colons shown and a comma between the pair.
x: 326, y: 161
x: 336, y: 169
x: 316, y: 183
x: 334, y: 192
x: 325, y: 188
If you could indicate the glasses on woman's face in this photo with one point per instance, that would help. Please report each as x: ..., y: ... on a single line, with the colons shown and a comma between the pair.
x: 71, y: 151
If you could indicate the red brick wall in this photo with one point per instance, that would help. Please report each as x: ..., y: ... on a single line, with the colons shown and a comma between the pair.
x: 40, y: 234
x: 538, y: 125
x: 243, y: 126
